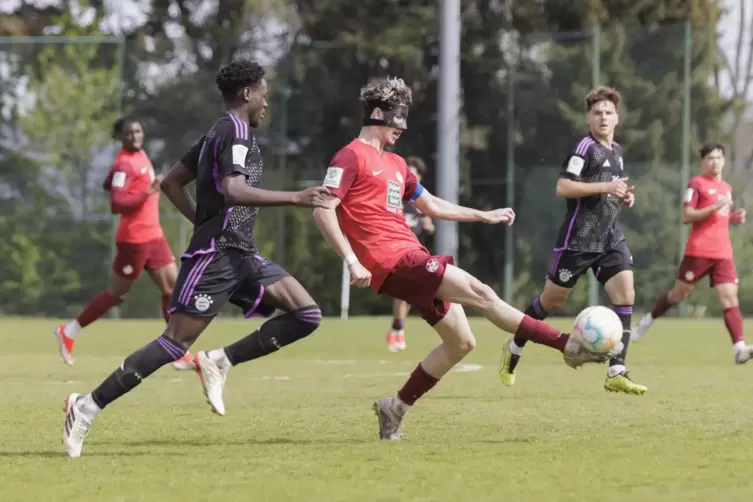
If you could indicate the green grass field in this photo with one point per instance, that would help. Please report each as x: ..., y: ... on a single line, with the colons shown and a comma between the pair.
x: 299, y: 425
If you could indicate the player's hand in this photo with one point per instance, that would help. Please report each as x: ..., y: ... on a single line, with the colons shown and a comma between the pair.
x: 629, y: 199
x: 618, y: 188
x: 505, y: 215
x: 427, y: 225
x: 739, y: 215
x: 359, y: 276
x: 156, y: 184
x: 317, y: 196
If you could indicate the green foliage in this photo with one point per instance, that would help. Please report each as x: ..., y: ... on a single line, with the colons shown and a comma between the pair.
x: 544, y: 54
x: 73, y: 109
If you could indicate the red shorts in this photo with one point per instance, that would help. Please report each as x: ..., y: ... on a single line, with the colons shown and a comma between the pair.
x: 131, y: 258
x: 416, y: 279
x: 694, y: 268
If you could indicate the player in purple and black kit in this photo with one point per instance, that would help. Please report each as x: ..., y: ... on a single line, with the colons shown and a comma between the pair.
x: 592, y: 181
x: 221, y: 263
x: 422, y: 226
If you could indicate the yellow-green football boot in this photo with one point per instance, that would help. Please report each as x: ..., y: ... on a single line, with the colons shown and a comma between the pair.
x: 507, y: 365
x: 621, y: 382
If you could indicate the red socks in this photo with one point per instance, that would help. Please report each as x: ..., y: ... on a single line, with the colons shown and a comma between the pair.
x: 418, y: 384
x: 662, y: 305
x: 733, y: 319
x: 541, y: 333
x: 96, y: 308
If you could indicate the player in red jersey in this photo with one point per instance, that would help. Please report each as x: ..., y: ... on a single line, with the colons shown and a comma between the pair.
x: 707, y: 206
x: 140, y: 242
x: 381, y: 251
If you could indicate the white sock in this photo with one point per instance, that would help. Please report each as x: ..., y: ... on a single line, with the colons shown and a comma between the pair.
x: 220, y: 358
x: 615, y: 370
x: 72, y: 329
x: 400, y: 405
x: 89, y: 407
x: 514, y: 348
x: 647, y: 320
x: 738, y: 346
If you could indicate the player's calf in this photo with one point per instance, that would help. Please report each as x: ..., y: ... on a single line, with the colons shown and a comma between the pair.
x: 213, y: 365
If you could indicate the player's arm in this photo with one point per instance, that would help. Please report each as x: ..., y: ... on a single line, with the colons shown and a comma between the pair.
x: 181, y: 174
x: 341, y: 174
x: 123, y: 197
x: 434, y: 207
x: 233, y: 173
x: 570, y: 186
x: 339, y: 178
x: 691, y: 213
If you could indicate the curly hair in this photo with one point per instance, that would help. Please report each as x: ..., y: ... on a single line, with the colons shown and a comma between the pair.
x: 238, y: 74
x: 390, y: 90
x: 603, y: 94
x: 418, y: 163
x: 117, y: 127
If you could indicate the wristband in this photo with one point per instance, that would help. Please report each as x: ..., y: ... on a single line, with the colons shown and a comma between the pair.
x: 350, y: 259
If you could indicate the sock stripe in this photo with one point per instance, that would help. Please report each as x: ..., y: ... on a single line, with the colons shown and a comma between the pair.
x: 623, y: 309
x: 538, y: 308
x: 174, y: 350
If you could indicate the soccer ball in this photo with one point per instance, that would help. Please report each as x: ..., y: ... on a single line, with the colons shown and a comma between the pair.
x: 599, y: 329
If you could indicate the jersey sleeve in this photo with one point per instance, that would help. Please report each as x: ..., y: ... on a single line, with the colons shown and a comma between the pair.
x: 124, y: 197
x: 577, y: 162
x: 692, y: 194
x: 413, y: 189
x: 231, y: 148
x: 342, y: 172
x: 190, y: 159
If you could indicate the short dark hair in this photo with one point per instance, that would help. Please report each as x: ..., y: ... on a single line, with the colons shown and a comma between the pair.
x: 603, y: 94
x: 418, y: 163
x: 117, y: 127
x: 238, y: 74
x: 710, y: 147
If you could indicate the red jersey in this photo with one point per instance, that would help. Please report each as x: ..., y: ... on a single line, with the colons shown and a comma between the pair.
x: 709, y: 237
x: 129, y: 180
x: 372, y: 187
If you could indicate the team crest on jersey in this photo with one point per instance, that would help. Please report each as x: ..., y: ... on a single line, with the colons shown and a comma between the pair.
x: 394, y: 196
x: 399, y: 177
x: 564, y: 275
x: 202, y: 302
x: 432, y: 265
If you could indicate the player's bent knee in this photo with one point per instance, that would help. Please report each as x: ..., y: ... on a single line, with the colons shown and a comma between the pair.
x: 466, y: 345
x: 309, y: 319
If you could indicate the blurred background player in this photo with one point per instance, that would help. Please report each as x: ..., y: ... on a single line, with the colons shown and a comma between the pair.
x: 221, y: 262
x: 140, y: 241
x: 422, y: 226
x: 593, y: 182
x: 707, y: 205
x: 371, y: 185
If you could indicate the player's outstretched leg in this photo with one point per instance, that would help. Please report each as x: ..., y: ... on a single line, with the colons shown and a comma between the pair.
x: 396, y: 334
x: 552, y: 299
x: 81, y: 410
x: 451, y: 324
x: 458, y: 286
x: 301, y: 318
x: 66, y: 334
x: 673, y: 297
